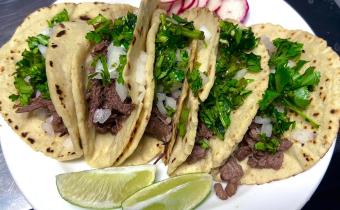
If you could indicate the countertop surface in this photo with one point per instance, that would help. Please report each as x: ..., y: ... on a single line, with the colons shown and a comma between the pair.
x: 322, y: 15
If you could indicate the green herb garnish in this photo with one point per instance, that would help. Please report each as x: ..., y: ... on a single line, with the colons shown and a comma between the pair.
x: 287, y: 88
x: 194, y: 79
x: 182, y: 124
x: 169, y: 111
x: 228, y: 94
x: 30, y: 75
x: 59, y: 18
x: 105, y: 74
x: 119, y: 32
x: 173, y: 38
x: 204, y: 144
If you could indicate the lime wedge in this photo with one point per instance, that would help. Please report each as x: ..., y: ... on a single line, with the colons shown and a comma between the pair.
x: 177, y: 193
x: 104, y: 188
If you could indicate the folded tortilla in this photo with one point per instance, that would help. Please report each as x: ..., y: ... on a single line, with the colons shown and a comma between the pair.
x: 106, y: 149
x: 206, y: 51
x: 324, y: 108
x: 29, y: 125
x: 220, y: 150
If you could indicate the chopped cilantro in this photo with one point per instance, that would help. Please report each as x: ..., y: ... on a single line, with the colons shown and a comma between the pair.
x: 182, y: 124
x: 287, y: 86
x: 59, y: 18
x: 173, y: 38
x: 30, y: 75
x: 170, y: 111
x: 105, y: 74
x: 228, y: 94
x: 194, y: 79
x: 119, y: 32
x: 267, y: 144
x: 204, y: 144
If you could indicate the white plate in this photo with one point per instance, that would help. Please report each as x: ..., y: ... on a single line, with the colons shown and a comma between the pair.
x: 35, y: 174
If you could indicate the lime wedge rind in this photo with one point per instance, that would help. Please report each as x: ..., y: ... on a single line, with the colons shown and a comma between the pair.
x: 183, y: 192
x: 104, y: 188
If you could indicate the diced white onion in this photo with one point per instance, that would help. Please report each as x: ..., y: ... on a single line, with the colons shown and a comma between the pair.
x: 176, y: 93
x: 272, y: 71
x: 37, y: 94
x: 240, y: 74
x: 280, y: 108
x: 113, y: 54
x: 27, y: 79
x: 291, y: 64
x: 121, y: 91
x: 206, y: 32
x: 168, y: 120
x: 47, y: 32
x: 68, y: 144
x: 303, y: 136
x: 267, y: 129
x: 268, y: 44
x: 47, y: 126
x: 42, y: 49
x: 261, y: 120
x: 101, y: 115
x: 170, y: 102
x: 204, y: 78
x: 160, y: 103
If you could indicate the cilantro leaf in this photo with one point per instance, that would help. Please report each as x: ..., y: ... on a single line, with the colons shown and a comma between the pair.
x: 204, y: 144
x: 59, y: 18
x: 267, y: 144
x: 34, y: 41
x: 285, y: 51
x: 182, y: 124
x: 194, y: 79
x: 105, y: 74
x: 172, y: 40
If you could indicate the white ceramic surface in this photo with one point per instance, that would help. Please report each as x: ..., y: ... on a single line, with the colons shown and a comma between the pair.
x: 35, y: 174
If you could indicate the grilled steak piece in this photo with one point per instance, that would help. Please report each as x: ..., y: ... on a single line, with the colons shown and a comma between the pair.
x: 106, y: 97
x: 197, y: 154
x: 266, y: 160
x: 221, y: 194
x: 40, y: 103
x: 158, y: 127
x: 100, y: 48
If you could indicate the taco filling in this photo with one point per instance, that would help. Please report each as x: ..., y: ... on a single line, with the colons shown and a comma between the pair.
x: 171, y: 64
x: 229, y: 91
x: 108, y: 101
x: 31, y: 80
x: 288, y: 91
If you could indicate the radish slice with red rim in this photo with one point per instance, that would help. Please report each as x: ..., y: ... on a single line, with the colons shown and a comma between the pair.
x: 214, y: 4
x: 233, y: 9
x: 203, y: 3
x: 245, y: 12
x: 167, y: 1
x: 176, y: 7
x: 187, y: 5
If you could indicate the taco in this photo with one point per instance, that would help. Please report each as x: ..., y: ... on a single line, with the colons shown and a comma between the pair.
x: 298, y: 118
x: 28, y: 103
x: 173, y: 41
x: 220, y: 121
x: 114, y: 89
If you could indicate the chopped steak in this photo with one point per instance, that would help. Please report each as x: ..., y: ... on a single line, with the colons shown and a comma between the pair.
x: 40, y: 103
x: 106, y: 97
x: 231, y: 172
x: 158, y: 127
x: 100, y: 48
x: 197, y: 154
x: 203, y: 132
x: 259, y: 159
x: 220, y: 191
x: 266, y: 160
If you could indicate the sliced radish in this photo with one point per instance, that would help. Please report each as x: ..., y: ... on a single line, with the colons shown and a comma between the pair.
x: 187, y: 5
x: 176, y: 7
x: 167, y: 1
x: 203, y: 3
x: 233, y: 9
x: 245, y: 12
x: 166, y: 5
x: 214, y: 4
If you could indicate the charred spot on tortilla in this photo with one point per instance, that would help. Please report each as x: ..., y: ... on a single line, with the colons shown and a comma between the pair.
x: 133, y: 41
x: 61, y: 33
x: 62, y: 25
x: 129, y: 86
x: 9, y: 120
x: 12, y: 58
x: 31, y: 140
x: 84, y: 17
x: 16, y: 127
x: 51, y: 63
x: 316, y: 114
x: 54, y: 45
x: 59, y: 92
x: 49, y: 150
x: 2, y: 69
x: 333, y: 111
